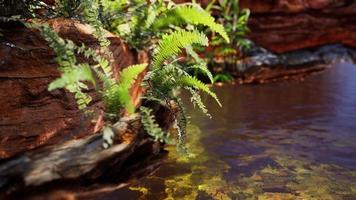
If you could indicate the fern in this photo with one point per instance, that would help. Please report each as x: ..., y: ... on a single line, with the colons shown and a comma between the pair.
x: 69, y: 77
x: 129, y: 74
x: 189, y: 14
x: 73, y: 75
x: 195, y: 83
x: 90, y: 12
x: 165, y: 80
x: 117, y: 96
x: 102, y: 63
x: 181, y: 125
x: 152, y: 128
x: 204, y: 69
x: 196, y: 100
x: 172, y: 44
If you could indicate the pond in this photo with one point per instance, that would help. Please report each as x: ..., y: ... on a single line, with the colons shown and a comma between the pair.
x: 287, y: 140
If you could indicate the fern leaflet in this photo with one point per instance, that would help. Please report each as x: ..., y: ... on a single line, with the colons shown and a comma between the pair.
x: 196, y: 100
x: 190, y: 14
x: 117, y: 95
x: 171, y: 44
x: 195, y: 83
x: 152, y: 128
x: 204, y: 69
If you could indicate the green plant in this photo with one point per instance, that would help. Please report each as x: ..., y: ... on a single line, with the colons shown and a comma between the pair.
x: 161, y: 25
x: 168, y: 76
x: 145, y: 23
x: 23, y: 8
x: 75, y: 76
x: 223, y: 77
x: 235, y: 22
x: 150, y: 125
x: 116, y: 95
x: 189, y: 14
x: 165, y: 30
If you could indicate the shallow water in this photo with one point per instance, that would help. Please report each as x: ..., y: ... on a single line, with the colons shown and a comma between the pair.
x: 289, y: 140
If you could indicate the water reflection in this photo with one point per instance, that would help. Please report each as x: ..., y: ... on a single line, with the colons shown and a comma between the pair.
x: 278, y: 141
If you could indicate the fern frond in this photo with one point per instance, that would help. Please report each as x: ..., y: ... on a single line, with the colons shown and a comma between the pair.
x: 151, y: 16
x: 73, y: 74
x: 195, y: 83
x: 204, y: 69
x: 190, y: 14
x: 78, y: 74
x: 72, y: 80
x: 116, y: 98
x: 102, y: 63
x: 172, y: 44
x: 181, y: 125
x: 90, y: 12
x: 190, y: 51
x: 196, y: 100
x: 117, y: 95
x: 151, y: 127
x: 129, y: 74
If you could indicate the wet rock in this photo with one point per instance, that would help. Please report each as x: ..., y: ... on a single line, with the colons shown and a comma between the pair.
x: 324, y: 54
x: 261, y: 65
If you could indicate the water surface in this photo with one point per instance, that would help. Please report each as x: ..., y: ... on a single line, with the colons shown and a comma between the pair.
x: 288, y: 140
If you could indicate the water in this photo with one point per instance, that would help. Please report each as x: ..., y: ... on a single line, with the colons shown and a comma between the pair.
x: 289, y: 140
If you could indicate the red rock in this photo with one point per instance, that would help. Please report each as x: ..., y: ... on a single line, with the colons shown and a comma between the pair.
x: 288, y: 25
x: 30, y: 115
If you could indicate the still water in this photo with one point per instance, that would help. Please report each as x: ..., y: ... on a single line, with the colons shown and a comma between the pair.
x: 287, y: 140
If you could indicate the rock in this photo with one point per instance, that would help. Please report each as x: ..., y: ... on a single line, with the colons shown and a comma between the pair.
x: 41, y: 173
x: 30, y: 115
x: 288, y: 25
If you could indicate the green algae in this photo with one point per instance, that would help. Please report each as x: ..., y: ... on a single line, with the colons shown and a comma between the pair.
x: 203, y: 175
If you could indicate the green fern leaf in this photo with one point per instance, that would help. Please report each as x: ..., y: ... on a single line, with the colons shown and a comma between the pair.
x: 151, y: 126
x: 75, y: 75
x: 71, y: 79
x: 181, y: 125
x: 102, y: 63
x: 191, y: 14
x: 129, y: 74
x: 204, y: 69
x: 117, y: 95
x: 196, y: 100
x: 171, y: 44
x: 195, y: 83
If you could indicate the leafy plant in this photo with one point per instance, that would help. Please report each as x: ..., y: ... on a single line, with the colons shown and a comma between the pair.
x: 173, y: 43
x: 223, y: 77
x: 171, y: 30
x: 235, y: 22
x: 168, y: 76
x: 75, y: 76
x: 146, y: 22
x: 116, y: 95
x: 150, y: 125
x: 189, y: 14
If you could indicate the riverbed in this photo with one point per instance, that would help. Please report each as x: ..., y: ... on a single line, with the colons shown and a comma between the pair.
x: 285, y: 140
